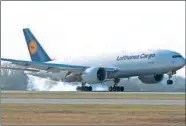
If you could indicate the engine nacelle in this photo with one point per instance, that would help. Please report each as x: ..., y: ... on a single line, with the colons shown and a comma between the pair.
x: 94, y: 75
x: 151, y: 79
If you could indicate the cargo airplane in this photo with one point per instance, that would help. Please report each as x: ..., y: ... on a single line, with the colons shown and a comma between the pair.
x: 149, y: 66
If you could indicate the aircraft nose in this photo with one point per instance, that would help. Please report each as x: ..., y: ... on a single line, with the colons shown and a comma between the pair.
x: 182, y: 61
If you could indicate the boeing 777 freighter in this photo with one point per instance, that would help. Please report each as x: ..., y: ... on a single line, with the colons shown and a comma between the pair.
x: 149, y: 66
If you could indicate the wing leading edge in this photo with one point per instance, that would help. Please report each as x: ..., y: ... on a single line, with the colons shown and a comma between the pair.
x: 52, y: 67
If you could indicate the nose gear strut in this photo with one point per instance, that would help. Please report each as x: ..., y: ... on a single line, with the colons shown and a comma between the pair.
x: 169, y: 81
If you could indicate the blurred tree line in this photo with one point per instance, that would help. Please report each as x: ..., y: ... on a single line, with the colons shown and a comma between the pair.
x: 13, y: 79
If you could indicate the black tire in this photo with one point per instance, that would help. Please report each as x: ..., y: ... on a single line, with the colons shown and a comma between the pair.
x: 83, y: 88
x: 117, y: 88
x: 86, y: 88
x: 78, y: 88
x: 90, y: 88
x: 169, y: 82
x: 114, y: 88
x: 121, y: 88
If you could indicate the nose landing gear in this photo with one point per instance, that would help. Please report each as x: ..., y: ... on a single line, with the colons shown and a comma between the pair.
x: 169, y: 81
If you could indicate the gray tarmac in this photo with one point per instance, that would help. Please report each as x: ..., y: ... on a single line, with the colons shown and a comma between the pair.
x: 98, y: 101
x: 93, y: 101
x: 101, y: 92
x: 107, y: 125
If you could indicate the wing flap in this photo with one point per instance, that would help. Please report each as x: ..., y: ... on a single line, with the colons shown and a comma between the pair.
x: 46, y: 66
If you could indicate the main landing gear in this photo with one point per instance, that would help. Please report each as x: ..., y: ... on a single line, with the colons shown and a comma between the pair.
x: 84, y: 87
x: 116, y: 88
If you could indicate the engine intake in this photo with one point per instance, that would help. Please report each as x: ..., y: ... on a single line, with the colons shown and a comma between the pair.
x: 94, y: 75
x: 101, y: 74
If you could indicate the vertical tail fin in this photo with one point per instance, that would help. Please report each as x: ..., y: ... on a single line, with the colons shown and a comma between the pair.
x: 37, y: 53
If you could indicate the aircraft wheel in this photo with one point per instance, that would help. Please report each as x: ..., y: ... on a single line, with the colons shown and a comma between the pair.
x: 86, y: 88
x: 121, y: 88
x: 83, y: 88
x: 117, y: 88
x: 169, y: 82
x: 78, y: 88
x: 114, y: 89
x: 90, y: 88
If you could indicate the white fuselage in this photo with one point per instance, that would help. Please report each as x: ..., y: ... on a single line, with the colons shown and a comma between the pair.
x: 133, y: 64
x: 129, y: 64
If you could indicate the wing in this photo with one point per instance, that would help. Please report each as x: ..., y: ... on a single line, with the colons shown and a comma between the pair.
x: 50, y: 67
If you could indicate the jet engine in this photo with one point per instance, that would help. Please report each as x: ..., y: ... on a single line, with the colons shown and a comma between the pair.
x: 94, y: 75
x: 151, y: 79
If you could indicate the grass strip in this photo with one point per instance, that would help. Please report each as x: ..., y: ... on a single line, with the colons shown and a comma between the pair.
x: 91, y: 114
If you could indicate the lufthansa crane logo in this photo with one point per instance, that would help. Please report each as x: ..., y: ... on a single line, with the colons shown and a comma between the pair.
x: 33, y: 47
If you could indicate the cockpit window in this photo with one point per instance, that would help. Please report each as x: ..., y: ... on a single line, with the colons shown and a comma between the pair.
x: 176, y: 56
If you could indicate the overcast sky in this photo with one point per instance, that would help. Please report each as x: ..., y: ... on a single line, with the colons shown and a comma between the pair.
x: 86, y: 28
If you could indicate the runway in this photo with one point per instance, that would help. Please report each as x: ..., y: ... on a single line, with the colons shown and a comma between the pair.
x: 34, y: 101
x: 93, y: 101
x: 106, y: 124
x: 101, y: 92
